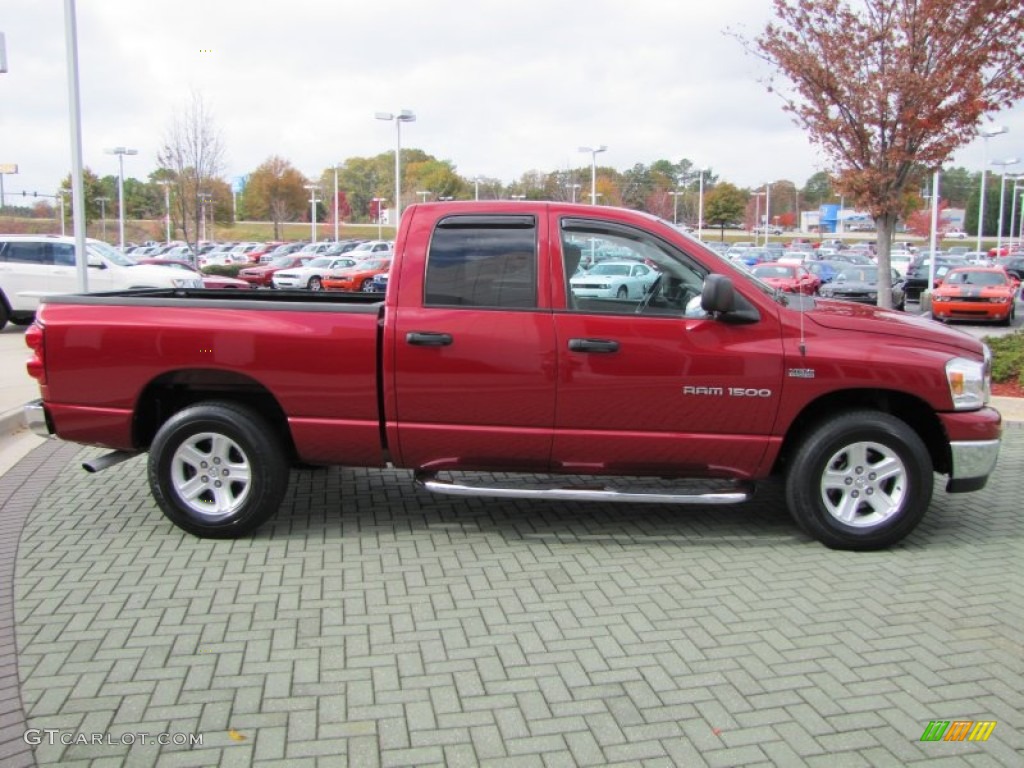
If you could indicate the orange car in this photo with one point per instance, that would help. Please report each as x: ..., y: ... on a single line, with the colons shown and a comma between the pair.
x: 975, y: 293
x: 357, y: 278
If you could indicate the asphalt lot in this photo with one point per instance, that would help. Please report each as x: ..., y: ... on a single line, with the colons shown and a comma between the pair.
x: 371, y: 624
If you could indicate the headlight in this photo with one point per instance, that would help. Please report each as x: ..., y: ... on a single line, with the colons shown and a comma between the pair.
x: 970, y: 382
x: 872, y: 295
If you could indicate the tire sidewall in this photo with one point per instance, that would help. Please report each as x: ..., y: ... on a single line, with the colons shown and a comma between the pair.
x: 803, y: 482
x: 257, y: 441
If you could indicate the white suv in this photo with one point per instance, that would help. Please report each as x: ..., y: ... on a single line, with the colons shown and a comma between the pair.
x: 33, y: 266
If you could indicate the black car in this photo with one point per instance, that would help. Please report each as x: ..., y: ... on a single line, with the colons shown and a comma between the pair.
x: 916, y: 281
x: 860, y: 283
x: 1014, y: 266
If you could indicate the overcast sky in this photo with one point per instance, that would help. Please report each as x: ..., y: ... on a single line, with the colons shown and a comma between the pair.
x: 498, y: 88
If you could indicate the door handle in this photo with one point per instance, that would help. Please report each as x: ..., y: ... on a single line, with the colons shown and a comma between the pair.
x: 428, y: 339
x: 605, y: 346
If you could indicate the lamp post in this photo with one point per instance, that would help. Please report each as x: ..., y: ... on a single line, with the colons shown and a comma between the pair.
x: 593, y: 169
x: 405, y: 116
x: 757, y: 210
x: 166, y: 184
x: 379, y: 201
x: 986, y: 134
x: 60, y: 200
x: 204, y: 198
x: 675, y: 206
x: 574, y: 187
x: 121, y: 152
x: 476, y: 188
x: 767, y: 211
x: 312, y: 209
x: 6, y: 169
x: 425, y: 194
x: 1013, y: 203
x: 700, y: 204
x: 1002, y: 199
x: 103, y: 214
x: 336, y: 202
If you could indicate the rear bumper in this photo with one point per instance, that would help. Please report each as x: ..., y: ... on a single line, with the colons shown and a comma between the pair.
x: 37, y: 419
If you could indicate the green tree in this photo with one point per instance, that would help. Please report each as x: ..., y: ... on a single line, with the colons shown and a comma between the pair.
x: 817, y: 190
x: 723, y: 206
x: 93, y: 188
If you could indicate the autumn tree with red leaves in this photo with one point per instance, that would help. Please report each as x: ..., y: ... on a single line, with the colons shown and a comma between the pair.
x: 891, y: 88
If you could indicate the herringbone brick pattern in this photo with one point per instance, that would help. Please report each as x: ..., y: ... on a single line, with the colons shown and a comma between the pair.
x: 371, y: 624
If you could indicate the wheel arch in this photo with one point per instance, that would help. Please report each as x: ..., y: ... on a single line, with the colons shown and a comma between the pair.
x: 174, y: 390
x: 913, y: 411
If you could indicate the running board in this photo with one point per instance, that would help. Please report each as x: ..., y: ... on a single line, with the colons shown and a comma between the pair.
x: 430, y: 482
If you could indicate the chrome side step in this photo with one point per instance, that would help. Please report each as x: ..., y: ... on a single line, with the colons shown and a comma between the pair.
x: 430, y: 482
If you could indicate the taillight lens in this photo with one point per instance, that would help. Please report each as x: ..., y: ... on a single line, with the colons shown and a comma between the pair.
x: 36, y: 364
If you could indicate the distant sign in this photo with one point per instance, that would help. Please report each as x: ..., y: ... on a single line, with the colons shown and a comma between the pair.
x: 238, y: 184
x: 8, y: 168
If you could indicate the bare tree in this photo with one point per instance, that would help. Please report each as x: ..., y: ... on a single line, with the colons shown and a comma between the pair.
x: 891, y: 88
x: 193, y: 156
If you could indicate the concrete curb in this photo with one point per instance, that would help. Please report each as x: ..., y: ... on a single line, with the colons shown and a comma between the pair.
x: 11, y: 421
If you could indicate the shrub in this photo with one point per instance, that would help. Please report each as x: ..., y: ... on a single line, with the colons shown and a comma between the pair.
x: 1007, y: 357
x: 224, y: 270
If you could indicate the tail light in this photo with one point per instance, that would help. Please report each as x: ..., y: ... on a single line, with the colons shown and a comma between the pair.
x: 36, y: 364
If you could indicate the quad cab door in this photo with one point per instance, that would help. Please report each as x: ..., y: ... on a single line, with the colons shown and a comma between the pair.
x: 470, y: 342
x: 653, y: 385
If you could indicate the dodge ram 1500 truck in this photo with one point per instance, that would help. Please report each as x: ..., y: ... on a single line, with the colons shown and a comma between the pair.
x: 481, y: 358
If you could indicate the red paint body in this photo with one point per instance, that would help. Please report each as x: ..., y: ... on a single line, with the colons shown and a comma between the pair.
x: 682, y: 396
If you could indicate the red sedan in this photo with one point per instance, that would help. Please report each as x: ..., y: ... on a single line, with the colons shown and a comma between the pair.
x: 791, y: 278
x: 263, y: 275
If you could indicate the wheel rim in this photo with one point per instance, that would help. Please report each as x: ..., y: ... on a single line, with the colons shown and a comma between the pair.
x: 211, y: 475
x: 367, y: 286
x: 864, y: 484
x: 314, y: 284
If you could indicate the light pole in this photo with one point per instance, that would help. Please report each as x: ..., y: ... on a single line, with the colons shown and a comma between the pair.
x: 476, y: 188
x: 986, y: 134
x: 166, y: 184
x: 700, y: 205
x: 1013, y: 203
x: 593, y: 169
x: 405, y: 116
x: 379, y: 201
x: 1002, y: 199
x: 6, y: 169
x: 204, y: 198
x: 335, y: 202
x: 425, y: 194
x: 574, y: 187
x: 312, y: 209
x: 757, y: 211
x: 103, y: 214
x: 121, y: 152
x: 60, y: 199
x: 675, y: 206
x: 767, y: 211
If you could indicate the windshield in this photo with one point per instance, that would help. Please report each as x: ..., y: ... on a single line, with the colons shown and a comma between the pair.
x: 975, y: 278
x: 319, y: 261
x: 773, y: 271
x: 610, y: 269
x: 110, y: 253
x: 859, y: 274
x: 281, y: 261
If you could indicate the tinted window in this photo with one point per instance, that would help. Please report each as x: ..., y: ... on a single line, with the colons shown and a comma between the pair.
x: 483, y: 261
x: 63, y: 254
x: 23, y: 253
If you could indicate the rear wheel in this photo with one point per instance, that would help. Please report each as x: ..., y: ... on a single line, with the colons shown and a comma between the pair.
x: 4, y: 314
x: 217, y: 470
x: 622, y: 293
x: 315, y: 284
x: 367, y: 286
x: 860, y: 481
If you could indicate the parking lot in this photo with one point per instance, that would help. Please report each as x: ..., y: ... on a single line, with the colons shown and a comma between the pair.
x: 372, y: 624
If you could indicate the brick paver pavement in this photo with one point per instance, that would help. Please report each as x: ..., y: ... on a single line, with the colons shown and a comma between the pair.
x: 371, y: 624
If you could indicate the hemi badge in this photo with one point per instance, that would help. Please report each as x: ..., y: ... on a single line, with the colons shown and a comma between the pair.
x: 800, y: 373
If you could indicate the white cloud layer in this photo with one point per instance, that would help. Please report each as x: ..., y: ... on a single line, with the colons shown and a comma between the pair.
x: 498, y: 88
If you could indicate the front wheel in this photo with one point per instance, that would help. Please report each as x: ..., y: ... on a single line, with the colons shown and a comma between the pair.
x: 315, y: 284
x: 859, y: 481
x: 217, y: 470
x: 367, y: 286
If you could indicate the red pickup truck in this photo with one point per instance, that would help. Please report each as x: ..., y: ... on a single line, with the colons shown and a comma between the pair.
x: 480, y: 358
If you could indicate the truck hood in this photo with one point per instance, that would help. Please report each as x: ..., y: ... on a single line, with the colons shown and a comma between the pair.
x: 863, y: 318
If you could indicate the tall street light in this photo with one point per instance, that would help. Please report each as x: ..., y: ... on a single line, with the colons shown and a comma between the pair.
x: 379, y: 201
x: 700, y: 204
x: 166, y: 184
x: 336, y: 202
x: 405, y: 116
x: 1013, y: 203
x: 675, y: 206
x: 103, y: 214
x: 312, y: 209
x: 986, y: 134
x: 1002, y: 198
x: 425, y: 194
x: 593, y: 169
x: 574, y: 187
x: 121, y: 152
x: 757, y: 211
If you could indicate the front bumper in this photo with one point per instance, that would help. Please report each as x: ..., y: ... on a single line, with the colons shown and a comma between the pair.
x: 37, y: 419
x: 973, y: 462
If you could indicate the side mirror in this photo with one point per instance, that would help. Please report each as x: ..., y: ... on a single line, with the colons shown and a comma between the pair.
x: 720, y: 300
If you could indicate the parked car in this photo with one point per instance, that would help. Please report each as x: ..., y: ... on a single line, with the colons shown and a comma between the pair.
x: 856, y: 282
x: 614, y: 280
x: 790, y: 278
x: 955, y: 234
x: 917, y: 274
x: 358, y: 277
x: 1014, y: 266
x: 209, y: 281
x: 263, y: 275
x: 825, y: 270
x: 988, y: 294
x: 281, y: 250
x: 379, y: 284
x: 310, y: 276
x: 900, y: 261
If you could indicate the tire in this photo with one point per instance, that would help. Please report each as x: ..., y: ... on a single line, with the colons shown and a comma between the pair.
x: 314, y: 284
x: 367, y: 286
x: 239, y: 442
x: 4, y: 314
x: 622, y: 293
x: 21, y: 320
x: 833, y: 488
